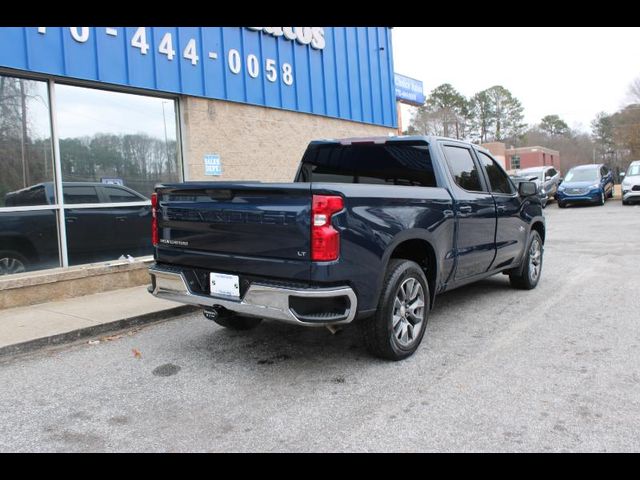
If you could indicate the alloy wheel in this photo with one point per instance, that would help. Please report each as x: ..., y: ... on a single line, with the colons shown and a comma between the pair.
x: 11, y: 265
x: 535, y: 260
x: 408, y: 312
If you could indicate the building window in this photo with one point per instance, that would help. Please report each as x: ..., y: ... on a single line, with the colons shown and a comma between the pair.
x: 114, y: 147
x: 515, y: 162
x: 28, y: 213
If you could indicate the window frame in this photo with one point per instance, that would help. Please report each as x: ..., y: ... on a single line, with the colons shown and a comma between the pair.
x: 60, y: 206
x: 476, y: 163
x: 514, y: 190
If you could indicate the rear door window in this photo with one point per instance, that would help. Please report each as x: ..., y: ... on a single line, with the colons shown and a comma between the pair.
x: 74, y: 194
x: 393, y: 163
x: 498, y: 179
x: 119, y: 195
x: 463, y: 168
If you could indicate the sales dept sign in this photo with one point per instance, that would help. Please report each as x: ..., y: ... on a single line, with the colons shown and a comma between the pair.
x: 212, y: 165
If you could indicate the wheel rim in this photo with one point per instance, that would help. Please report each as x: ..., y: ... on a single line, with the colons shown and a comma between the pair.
x: 408, y: 312
x: 11, y: 265
x: 535, y: 260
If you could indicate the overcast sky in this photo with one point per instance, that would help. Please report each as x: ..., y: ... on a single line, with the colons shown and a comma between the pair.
x: 569, y: 71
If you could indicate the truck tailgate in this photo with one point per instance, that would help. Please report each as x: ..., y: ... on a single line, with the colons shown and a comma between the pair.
x: 237, y: 226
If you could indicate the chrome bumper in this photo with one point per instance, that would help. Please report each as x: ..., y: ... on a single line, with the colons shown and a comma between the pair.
x: 262, y: 301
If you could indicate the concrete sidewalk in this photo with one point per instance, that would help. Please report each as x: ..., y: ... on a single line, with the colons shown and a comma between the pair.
x: 24, y: 329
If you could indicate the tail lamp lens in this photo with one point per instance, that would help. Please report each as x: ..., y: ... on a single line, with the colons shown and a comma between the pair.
x: 155, y: 234
x: 325, y: 240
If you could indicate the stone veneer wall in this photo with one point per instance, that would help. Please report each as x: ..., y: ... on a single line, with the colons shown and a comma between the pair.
x: 255, y: 143
x: 60, y: 283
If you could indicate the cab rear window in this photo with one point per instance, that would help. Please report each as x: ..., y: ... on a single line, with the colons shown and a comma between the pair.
x: 388, y: 164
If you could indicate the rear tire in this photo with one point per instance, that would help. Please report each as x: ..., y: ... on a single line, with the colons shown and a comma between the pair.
x: 562, y: 204
x: 238, y: 322
x: 397, y: 328
x: 529, y: 275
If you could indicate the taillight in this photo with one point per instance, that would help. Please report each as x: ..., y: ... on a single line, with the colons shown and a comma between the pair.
x: 155, y: 235
x: 325, y: 240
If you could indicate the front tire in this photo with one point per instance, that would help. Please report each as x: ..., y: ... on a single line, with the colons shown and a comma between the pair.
x: 561, y: 204
x: 603, y: 198
x: 529, y: 275
x: 398, y: 326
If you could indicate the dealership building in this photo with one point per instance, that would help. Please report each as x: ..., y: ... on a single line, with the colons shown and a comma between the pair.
x: 91, y: 118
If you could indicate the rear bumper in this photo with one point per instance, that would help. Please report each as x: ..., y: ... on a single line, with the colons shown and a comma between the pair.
x: 263, y: 301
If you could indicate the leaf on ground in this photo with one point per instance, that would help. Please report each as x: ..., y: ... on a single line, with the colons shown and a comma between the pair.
x: 136, y: 353
x: 111, y: 338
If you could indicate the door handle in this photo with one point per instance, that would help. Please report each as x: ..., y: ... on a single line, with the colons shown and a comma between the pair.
x: 501, y: 208
x: 121, y: 219
x: 465, y: 209
x: 71, y: 219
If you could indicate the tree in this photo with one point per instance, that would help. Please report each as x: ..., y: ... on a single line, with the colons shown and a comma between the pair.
x: 445, y: 113
x: 575, y: 147
x: 626, y: 132
x: 617, y: 137
x: 422, y: 122
x: 507, y: 113
x: 634, y: 91
x: 448, y: 108
x: 602, y: 134
x: 553, y: 125
x: 482, y: 116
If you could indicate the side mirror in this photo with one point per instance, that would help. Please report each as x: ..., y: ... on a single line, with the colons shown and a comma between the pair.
x: 622, y: 174
x: 527, y: 189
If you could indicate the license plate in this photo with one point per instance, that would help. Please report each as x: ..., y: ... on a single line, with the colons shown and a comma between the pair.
x: 225, y: 285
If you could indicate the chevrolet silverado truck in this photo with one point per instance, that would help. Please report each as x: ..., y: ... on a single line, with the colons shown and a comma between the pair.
x: 369, y: 232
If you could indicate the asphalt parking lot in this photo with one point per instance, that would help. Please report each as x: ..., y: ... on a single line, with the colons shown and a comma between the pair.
x: 552, y: 369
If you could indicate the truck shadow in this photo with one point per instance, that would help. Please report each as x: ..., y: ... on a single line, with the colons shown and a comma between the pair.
x: 279, y: 346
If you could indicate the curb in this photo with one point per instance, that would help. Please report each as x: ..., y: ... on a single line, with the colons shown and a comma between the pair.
x: 82, y: 333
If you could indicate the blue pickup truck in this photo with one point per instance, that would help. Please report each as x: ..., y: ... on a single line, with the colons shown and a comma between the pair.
x: 370, y: 231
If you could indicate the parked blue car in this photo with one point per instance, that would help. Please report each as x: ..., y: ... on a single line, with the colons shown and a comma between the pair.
x: 586, y: 184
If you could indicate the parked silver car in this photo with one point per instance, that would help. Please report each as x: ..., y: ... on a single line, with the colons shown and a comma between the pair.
x: 547, y: 178
x: 631, y: 183
x: 542, y: 195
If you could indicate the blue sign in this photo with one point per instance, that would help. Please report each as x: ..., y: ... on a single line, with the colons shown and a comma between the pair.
x: 212, y: 165
x: 409, y: 90
x: 342, y: 72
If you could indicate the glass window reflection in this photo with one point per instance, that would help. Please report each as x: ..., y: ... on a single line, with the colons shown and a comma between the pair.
x: 28, y: 241
x: 26, y: 157
x: 112, y: 135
